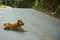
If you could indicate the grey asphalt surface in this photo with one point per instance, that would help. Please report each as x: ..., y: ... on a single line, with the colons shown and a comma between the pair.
x: 48, y: 25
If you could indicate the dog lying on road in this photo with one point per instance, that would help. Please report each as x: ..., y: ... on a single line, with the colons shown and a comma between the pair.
x: 16, y: 26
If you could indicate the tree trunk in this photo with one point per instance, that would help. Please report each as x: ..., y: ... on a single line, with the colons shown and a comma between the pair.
x: 6, y: 2
x: 42, y: 3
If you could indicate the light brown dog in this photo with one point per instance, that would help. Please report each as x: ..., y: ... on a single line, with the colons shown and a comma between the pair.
x: 16, y: 26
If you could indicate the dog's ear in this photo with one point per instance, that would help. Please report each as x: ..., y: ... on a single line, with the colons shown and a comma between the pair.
x: 18, y: 20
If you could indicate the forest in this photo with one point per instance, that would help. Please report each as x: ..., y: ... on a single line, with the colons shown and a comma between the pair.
x: 49, y: 5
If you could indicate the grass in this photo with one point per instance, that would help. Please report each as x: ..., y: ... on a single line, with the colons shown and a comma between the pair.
x: 4, y: 6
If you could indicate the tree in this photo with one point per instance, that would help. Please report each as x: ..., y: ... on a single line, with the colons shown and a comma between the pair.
x: 42, y: 3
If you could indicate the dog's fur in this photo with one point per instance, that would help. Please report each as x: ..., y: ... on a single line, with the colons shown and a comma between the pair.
x: 16, y: 26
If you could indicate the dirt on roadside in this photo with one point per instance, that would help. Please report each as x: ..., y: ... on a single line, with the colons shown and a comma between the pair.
x: 48, y: 13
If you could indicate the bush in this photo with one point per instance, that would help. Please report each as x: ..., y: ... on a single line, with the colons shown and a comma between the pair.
x: 57, y: 11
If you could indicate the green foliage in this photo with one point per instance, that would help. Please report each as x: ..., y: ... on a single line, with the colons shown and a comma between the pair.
x: 36, y: 4
x: 57, y: 10
x: 25, y: 4
x: 1, y: 1
x: 47, y: 4
x: 31, y: 5
x: 20, y: 3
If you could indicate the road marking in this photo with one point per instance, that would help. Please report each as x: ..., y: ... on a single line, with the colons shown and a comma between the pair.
x: 33, y: 27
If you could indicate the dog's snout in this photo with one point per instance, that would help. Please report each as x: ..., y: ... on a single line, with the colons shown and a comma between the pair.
x: 22, y: 24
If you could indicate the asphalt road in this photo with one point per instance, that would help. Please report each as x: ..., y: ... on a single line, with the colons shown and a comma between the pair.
x: 40, y: 26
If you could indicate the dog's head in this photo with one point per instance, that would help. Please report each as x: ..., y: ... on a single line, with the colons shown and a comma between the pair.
x: 20, y: 22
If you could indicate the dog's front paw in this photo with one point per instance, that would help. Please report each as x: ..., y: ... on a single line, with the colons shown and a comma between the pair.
x: 22, y: 30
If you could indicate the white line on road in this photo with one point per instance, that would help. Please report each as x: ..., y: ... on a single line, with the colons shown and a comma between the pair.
x: 34, y: 28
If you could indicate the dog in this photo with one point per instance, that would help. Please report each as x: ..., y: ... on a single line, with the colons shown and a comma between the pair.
x: 15, y: 26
